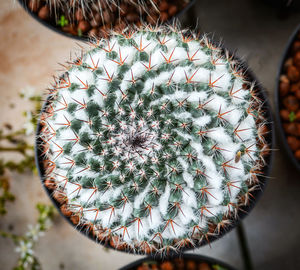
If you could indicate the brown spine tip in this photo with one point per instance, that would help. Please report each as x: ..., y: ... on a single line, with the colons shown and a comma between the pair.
x: 75, y: 219
x: 50, y: 184
x: 65, y: 210
x: 60, y: 197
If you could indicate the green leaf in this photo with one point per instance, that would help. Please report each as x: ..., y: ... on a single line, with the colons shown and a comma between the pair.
x: 292, y: 116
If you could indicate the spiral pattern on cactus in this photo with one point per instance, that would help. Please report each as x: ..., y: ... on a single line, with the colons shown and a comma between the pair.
x: 154, y: 137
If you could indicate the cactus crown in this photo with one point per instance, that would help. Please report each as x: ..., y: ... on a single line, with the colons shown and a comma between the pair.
x: 154, y: 138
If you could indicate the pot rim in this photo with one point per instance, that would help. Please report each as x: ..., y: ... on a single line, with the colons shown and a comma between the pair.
x: 243, y: 210
x: 86, y: 38
x: 277, y: 99
x: 185, y: 256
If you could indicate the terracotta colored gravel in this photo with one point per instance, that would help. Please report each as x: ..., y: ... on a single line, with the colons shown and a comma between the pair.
x: 95, y: 24
x: 289, y: 91
x: 177, y: 264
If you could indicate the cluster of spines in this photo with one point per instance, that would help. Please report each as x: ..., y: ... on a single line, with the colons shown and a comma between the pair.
x: 198, y: 234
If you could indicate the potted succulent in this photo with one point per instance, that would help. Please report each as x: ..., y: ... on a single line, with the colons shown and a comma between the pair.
x: 154, y: 141
x: 287, y: 98
x: 83, y: 19
x: 186, y: 261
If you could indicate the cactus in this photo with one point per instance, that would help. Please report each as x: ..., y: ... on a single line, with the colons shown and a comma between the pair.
x: 153, y: 139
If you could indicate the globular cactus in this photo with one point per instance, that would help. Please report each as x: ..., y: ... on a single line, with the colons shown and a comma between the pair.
x: 153, y: 140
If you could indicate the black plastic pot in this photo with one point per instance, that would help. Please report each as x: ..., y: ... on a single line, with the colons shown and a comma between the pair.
x: 185, y: 257
x: 85, y: 38
x: 243, y: 211
x: 293, y: 5
x: 278, y: 100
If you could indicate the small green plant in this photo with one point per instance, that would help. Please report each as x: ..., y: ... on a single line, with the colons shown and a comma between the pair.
x: 25, y: 243
x: 218, y: 267
x: 153, y: 139
x: 62, y: 21
x: 16, y: 141
x: 292, y: 116
x: 79, y: 32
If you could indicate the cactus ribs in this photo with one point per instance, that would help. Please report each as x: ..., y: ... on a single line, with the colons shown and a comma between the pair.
x: 154, y: 140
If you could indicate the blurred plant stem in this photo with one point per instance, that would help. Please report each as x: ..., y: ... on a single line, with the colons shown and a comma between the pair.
x: 25, y: 243
x: 16, y: 142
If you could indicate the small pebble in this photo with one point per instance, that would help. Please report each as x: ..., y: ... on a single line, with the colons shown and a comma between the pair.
x: 84, y: 26
x: 293, y: 143
x: 93, y: 32
x: 172, y: 10
x: 288, y: 62
x: 44, y: 13
x: 152, y: 19
x: 191, y: 265
x: 291, y: 103
x: 164, y: 16
x: 79, y: 15
x: 297, y: 116
x: 70, y: 29
x: 284, y: 78
x: 297, y: 94
x: 163, y: 6
x: 107, y: 17
x: 294, y: 87
x: 96, y: 20
x: 34, y: 5
x: 204, y: 266
x: 293, y: 73
x: 290, y: 128
x: 296, y: 59
x: 132, y: 17
x: 296, y: 46
x: 284, y: 88
x: 285, y: 115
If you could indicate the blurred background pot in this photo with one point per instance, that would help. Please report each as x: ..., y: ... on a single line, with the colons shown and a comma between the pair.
x: 92, y: 24
x: 284, y: 8
x: 287, y: 98
x: 185, y: 262
x: 291, y: 4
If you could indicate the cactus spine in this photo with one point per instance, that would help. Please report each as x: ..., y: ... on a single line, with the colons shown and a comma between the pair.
x: 154, y: 138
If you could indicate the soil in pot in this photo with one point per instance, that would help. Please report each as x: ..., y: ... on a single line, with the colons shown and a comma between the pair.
x: 93, y: 22
x: 289, y: 102
x: 178, y: 264
x: 187, y: 262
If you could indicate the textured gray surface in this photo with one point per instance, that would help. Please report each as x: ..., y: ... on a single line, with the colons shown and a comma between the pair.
x: 273, y: 226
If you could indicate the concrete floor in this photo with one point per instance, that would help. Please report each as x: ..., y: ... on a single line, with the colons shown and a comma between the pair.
x: 29, y: 54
